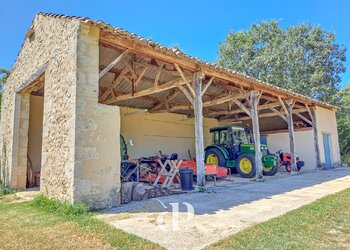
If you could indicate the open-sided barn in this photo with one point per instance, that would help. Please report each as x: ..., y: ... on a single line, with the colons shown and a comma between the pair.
x: 78, y: 84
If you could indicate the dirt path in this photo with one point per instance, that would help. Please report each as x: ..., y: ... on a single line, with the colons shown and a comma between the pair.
x: 224, y: 210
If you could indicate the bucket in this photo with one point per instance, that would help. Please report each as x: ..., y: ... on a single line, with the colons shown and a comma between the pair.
x: 186, y: 179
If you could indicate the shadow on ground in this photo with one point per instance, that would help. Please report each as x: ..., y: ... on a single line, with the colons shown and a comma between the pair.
x: 228, y: 195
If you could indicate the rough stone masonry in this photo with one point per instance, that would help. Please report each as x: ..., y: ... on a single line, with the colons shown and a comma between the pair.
x: 80, y: 136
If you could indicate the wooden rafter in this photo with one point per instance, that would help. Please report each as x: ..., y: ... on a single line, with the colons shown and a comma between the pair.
x: 239, y: 110
x: 282, y: 104
x: 309, y: 112
x: 265, y: 115
x: 165, y: 86
x: 186, y: 93
x: 185, y: 80
x: 159, y: 104
x: 243, y: 107
x: 304, y: 118
x: 206, y: 86
x: 159, y: 72
x: 113, y: 41
x: 208, y: 103
x: 243, y: 91
x: 279, y: 113
x: 222, y: 100
x: 136, y: 83
x: 131, y: 69
x: 114, y: 84
x: 113, y: 63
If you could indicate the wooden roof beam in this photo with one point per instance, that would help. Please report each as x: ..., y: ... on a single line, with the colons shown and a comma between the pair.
x: 272, y: 114
x: 111, y: 40
x: 153, y: 90
x: 236, y: 111
x: 113, y: 63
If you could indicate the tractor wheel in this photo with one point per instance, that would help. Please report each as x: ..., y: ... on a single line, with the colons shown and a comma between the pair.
x: 269, y: 171
x: 215, y: 156
x: 246, y: 165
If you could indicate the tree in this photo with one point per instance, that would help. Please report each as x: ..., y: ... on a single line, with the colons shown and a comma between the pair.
x: 4, y: 74
x: 343, y: 120
x: 301, y: 58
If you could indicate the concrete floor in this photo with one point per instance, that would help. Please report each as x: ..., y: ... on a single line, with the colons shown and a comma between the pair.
x: 224, y: 210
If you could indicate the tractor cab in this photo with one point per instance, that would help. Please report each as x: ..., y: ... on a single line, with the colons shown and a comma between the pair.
x: 229, y: 138
x: 229, y: 135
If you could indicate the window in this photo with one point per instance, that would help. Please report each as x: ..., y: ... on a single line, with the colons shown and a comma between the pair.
x: 225, y: 137
x: 240, y: 137
x: 215, y: 137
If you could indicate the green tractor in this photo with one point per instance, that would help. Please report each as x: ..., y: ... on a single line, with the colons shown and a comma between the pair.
x: 232, y: 147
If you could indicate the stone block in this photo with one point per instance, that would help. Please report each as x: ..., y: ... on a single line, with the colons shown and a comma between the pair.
x: 126, y: 192
x: 138, y: 191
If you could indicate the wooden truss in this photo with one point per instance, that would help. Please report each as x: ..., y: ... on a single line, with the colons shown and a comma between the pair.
x: 197, y: 93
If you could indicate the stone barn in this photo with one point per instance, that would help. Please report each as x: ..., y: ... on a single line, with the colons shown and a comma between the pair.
x: 78, y: 84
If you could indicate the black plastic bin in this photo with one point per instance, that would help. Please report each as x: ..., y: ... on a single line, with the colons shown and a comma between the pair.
x: 186, y: 179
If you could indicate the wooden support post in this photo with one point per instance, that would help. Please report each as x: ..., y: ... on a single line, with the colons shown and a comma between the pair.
x: 254, y: 99
x: 198, y: 124
x: 289, y: 108
x: 316, y: 144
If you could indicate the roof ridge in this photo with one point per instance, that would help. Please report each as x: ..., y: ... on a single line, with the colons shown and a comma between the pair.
x: 179, y: 53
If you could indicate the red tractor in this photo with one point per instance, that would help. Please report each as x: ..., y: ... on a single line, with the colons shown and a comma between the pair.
x: 285, y: 159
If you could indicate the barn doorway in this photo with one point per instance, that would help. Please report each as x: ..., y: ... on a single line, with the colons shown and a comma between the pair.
x: 35, y: 131
x: 30, y: 103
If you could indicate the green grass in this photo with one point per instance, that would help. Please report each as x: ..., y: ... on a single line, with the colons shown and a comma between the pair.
x: 48, y: 224
x: 4, y: 190
x: 324, y: 224
x: 61, y: 208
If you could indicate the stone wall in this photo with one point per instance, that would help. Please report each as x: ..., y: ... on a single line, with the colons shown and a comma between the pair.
x: 53, y: 42
x: 80, y: 159
x: 97, y: 159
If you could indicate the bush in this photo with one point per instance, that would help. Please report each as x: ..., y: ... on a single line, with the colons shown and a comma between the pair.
x: 4, y: 189
x: 63, y: 208
x: 345, y: 159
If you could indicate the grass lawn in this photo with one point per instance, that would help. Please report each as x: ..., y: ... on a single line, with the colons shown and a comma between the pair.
x: 324, y: 224
x: 24, y: 226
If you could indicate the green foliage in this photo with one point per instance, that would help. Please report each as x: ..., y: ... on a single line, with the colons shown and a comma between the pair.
x: 346, y: 159
x: 301, y: 58
x: 343, y: 119
x: 63, y: 208
x: 4, y: 74
x: 4, y: 189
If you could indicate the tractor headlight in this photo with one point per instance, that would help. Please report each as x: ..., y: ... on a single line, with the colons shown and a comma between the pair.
x: 263, y: 150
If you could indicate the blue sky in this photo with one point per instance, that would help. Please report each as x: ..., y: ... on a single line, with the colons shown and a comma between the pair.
x: 196, y: 26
